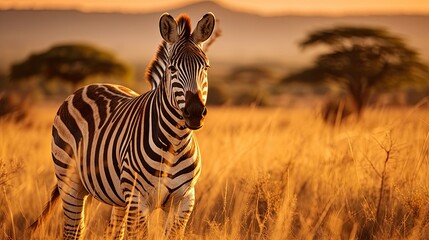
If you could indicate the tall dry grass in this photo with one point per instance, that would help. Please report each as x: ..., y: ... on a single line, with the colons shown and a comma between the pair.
x: 267, y: 174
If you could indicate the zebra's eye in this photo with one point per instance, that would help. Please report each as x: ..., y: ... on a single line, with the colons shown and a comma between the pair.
x: 206, y: 67
x: 172, y: 69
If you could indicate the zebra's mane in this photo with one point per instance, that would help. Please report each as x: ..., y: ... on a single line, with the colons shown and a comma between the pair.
x: 156, y: 68
x: 184, y: 26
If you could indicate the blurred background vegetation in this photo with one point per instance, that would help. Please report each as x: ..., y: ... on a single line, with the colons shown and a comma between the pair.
x: 354, y: 66
x: 363, y: 67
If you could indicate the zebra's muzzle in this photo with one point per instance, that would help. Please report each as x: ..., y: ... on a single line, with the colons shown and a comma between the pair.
x: 194, y: 111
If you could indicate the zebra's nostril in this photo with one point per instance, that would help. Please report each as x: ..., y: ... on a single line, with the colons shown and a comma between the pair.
x: 204, y: 112
x: 186, y: 113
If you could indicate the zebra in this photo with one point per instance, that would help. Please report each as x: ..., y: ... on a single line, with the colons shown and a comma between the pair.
x: 136, y: 152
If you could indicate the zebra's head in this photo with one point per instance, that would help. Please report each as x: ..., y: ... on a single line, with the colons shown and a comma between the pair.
x: 187, y: 65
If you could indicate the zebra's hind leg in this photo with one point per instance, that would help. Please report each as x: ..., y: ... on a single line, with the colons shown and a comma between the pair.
x: 73, y: 195
x: 116, y: 228
x: 177, y: 224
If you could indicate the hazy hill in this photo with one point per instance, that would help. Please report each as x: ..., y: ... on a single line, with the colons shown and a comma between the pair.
x: 246, y: 38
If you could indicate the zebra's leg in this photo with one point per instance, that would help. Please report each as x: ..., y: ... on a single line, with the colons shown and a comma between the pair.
x: 176, y: 225
x: 137, y: 215
x: 73, y: 195
x: 116, y: 228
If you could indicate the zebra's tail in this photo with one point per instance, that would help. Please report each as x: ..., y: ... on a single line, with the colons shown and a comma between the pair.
x: 48, y: 208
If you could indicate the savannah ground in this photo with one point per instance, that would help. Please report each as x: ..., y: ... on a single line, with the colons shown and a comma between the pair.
x: 271, y: 173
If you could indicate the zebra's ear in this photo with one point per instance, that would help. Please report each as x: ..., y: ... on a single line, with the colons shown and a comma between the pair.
x: 168, y: 28
x: 204, y: 28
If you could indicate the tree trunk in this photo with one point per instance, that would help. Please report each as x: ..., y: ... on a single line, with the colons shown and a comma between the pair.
x: 360, y: 94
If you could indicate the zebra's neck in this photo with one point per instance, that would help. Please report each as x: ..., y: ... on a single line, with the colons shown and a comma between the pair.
x: 156, y: 69
x: 168, y: 125
x: 171, y: 125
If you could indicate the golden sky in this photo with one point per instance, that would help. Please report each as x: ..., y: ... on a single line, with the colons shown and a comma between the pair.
x: 264, y: 7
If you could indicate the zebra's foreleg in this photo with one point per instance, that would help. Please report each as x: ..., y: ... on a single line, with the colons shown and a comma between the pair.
x: 116, y: 227
x: 176, y: 226
x: 137, y: 215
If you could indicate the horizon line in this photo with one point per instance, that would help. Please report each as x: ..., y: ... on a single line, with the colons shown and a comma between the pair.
x: 282, y: 14
x: 219, y: 3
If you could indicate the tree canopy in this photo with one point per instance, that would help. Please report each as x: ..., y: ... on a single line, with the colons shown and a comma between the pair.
x: 69, y: 62
x: 360, y: 60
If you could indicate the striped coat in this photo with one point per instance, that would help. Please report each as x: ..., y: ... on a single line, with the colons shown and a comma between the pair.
x: 136, y: 152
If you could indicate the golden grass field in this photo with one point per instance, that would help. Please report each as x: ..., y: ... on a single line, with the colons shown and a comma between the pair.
x: 267, y: 174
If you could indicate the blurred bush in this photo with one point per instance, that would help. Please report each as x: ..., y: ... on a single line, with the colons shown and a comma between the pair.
x: 72, y: 63
x: 415, y: 96
x: 252, y: 97
x: 217, y: 94
x: 13, y: 104
x: 251, y: 74
x: 251, y: 85
x: 337, y: 109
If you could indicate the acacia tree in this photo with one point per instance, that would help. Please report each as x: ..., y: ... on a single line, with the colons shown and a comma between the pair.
x: 361, y: 60
x: 70, y: 62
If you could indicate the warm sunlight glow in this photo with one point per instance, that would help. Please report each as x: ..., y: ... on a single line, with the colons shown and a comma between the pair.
x: 334, y: 7
x: 269, y: 7
x: 97, y: 5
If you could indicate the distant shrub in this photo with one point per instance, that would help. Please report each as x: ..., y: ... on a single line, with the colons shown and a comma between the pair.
x: 335, y: 111
x: 13, y: 106
x: 251, y: 74
x: 251, y: 98
x: 414, y: 96
x: 217, y: 95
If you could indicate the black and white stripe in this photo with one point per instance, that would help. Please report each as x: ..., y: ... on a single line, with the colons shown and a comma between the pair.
x: 136, y: 152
